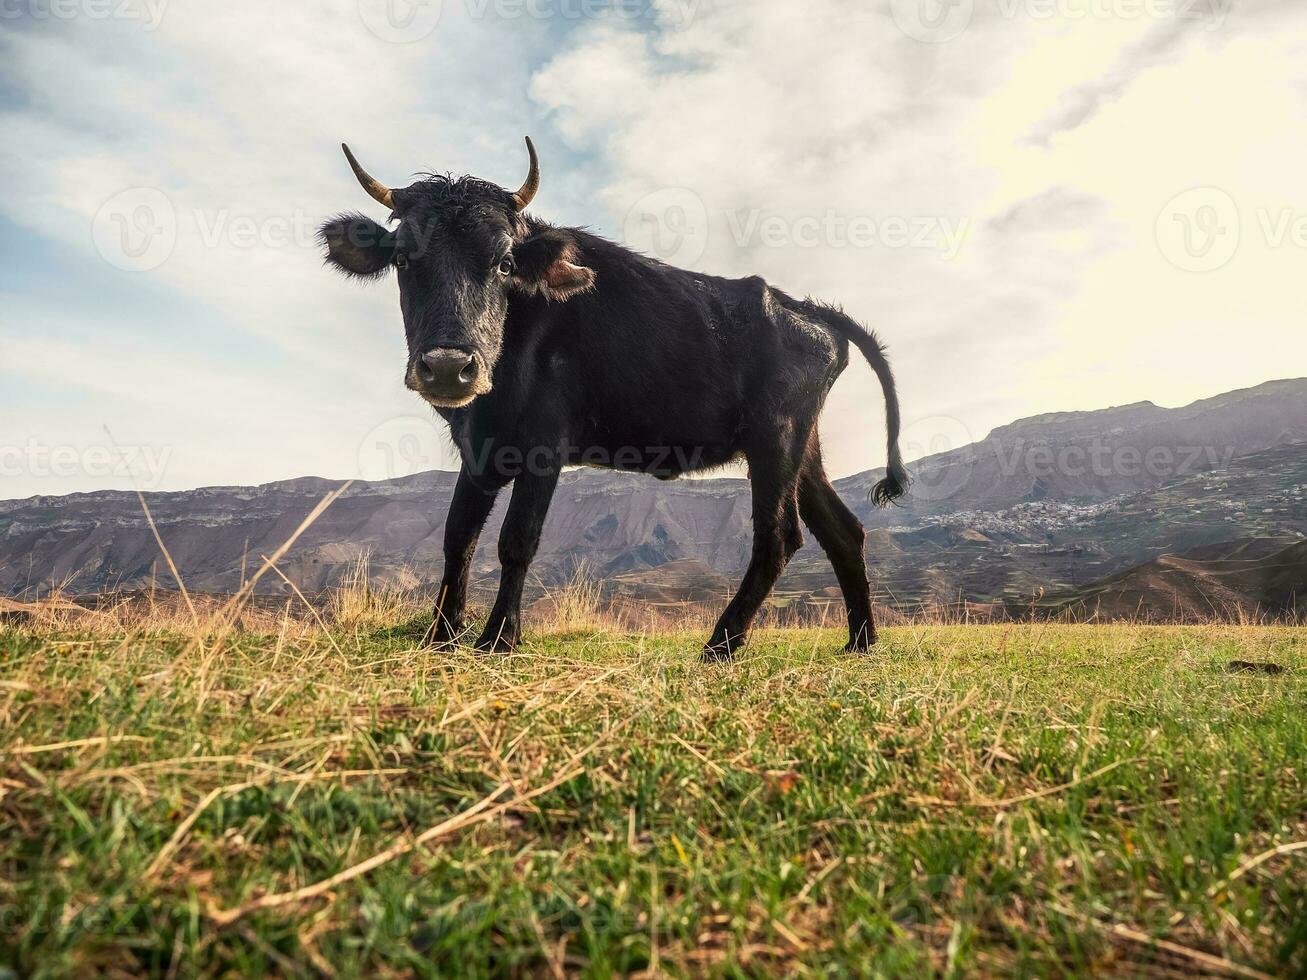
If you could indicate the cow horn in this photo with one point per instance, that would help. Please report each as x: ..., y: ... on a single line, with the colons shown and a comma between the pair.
x: 527, y: 192
x: 378, y: 191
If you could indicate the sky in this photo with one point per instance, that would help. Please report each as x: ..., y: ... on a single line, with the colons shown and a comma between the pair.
x: 1039, y: 205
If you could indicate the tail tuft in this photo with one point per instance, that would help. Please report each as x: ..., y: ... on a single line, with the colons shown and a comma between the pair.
x: 893, y: 486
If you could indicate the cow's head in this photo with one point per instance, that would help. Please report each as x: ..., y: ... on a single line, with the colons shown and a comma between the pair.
x: 460, y: 249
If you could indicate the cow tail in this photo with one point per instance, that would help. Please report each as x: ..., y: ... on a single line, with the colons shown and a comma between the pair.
x: 895, y: 483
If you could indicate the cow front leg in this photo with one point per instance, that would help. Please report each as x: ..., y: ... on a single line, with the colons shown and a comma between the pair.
x: 518, y: 541
x: 776, y: 537
x: 468, y: 511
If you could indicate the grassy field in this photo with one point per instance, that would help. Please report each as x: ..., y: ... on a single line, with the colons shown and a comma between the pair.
x: 1038, y: 800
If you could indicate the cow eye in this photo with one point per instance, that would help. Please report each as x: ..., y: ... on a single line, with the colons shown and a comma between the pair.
x: 507, y: 265
x: 401, y: 260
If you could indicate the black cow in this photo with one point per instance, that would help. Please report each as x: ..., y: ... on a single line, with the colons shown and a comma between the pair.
x: 544, y: 347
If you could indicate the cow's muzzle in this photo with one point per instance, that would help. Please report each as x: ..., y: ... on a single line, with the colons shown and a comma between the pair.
x: 448, y: 377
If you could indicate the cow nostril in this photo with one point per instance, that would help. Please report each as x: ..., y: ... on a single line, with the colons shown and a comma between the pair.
x: 448, y: 369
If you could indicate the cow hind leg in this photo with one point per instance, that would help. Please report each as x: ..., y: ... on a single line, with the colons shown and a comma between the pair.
x: 774, y: 471
x: 842, y: 537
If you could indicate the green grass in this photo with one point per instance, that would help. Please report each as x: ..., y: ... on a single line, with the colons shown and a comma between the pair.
x: 1037, y: 800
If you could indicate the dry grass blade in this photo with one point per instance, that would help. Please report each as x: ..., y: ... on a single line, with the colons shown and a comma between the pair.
x: 697, y: 754
x: 1254, y: 862
x: 478, y: 813
x: 226, y: 617
x: 311, y: 608
x: 1026, y: 797
x: 77, y: 743
x: 167, y: 556
x: 185, y: 826
x: 269, y: 562
x: 1216, y: 964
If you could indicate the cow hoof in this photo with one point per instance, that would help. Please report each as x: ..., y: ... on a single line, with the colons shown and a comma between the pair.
x: 720, y: 651
x: 861, y: 641
x: 496, y: 642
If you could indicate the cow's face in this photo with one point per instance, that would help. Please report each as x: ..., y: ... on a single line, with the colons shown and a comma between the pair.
x: 460, y: 250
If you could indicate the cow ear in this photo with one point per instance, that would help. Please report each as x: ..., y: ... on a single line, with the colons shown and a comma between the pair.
x: 550, y: 262
x: 357, y: 246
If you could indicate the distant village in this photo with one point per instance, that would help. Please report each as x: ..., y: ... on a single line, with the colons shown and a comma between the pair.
x: 1274, y: 512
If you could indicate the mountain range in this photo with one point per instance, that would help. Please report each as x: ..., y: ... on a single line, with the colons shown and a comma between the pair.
x: 1043, y: 506
x: 1257, y: 577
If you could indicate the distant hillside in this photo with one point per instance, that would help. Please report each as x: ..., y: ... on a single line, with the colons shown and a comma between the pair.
x: 1047, y: 503
x: 1043, y: 546
x: 611, y: 522
x: 1258, y: 577
x: 1093, y: 456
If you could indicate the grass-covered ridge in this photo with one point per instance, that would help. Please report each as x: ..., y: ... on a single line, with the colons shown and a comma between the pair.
x: 970, y: 800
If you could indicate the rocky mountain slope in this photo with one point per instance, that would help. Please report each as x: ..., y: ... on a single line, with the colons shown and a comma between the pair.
x: 1085, y: 457
x: 1047, y: 503
x: 1258, y: 577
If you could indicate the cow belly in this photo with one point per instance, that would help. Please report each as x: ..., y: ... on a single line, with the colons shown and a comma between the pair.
x: 654, y: 455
